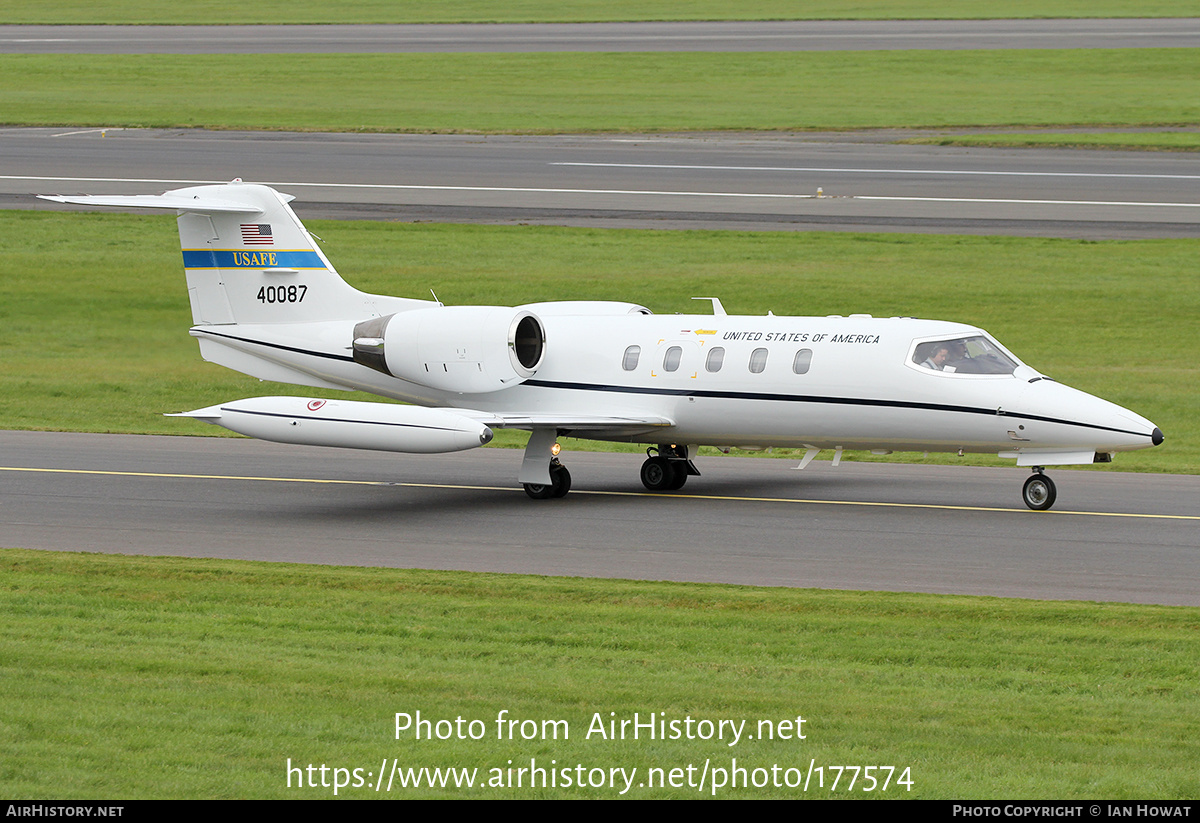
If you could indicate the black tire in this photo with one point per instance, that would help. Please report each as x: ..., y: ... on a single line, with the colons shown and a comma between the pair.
x: 539, y: 491
x: 681, y: 476
x: 1039, y: 492
x: 658, y: 474
x: 559, y: 485
x: 561, y: 481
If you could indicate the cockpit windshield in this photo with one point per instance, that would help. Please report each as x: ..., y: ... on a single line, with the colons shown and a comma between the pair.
x: 963, y: 355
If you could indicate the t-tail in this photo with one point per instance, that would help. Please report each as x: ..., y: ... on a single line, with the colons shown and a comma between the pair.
x: 249, y: 259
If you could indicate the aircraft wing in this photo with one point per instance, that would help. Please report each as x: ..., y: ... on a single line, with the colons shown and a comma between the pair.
x: 567, y: 422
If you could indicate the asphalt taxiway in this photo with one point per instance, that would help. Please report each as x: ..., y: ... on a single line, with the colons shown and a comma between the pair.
x: 728, y: 36
x: 893, y: 527
x: 832, y: 182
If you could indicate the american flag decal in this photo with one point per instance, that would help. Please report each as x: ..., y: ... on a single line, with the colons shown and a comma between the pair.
x: 257, y: 234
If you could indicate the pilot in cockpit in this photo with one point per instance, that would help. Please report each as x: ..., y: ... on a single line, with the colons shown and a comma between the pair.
x: 938, y: 357
x: 956, y: 354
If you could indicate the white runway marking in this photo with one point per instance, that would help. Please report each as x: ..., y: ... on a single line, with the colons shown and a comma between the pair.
x: 628, y: 192
x: 836, y: 170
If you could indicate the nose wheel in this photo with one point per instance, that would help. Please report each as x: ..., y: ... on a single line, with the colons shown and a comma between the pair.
x: 560, y: 483
x: 1039, y: 491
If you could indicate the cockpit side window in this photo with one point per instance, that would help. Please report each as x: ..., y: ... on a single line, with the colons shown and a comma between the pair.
x: 963, y: 355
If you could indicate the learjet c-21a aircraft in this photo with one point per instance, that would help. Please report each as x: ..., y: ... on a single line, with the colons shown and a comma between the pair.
x: 267, y: 302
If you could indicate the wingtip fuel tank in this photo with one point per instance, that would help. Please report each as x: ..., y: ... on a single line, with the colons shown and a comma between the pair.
x: 347, y: 424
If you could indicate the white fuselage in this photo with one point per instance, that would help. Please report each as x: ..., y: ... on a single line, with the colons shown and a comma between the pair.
x: 860, y: 387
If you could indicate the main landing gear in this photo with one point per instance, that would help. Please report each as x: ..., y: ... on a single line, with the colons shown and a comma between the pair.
x: 1039, y: 491
x: 667, y: 468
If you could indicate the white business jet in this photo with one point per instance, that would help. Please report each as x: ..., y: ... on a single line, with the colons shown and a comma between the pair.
x: 267, y: 302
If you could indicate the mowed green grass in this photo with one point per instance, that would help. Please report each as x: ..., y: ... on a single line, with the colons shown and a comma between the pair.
x: 95, y: 310
x: 207, y: 12
x: 163, y: 677
x: 645, y: 92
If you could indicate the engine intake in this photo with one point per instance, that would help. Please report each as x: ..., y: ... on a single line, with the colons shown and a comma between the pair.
x: 463, y: 349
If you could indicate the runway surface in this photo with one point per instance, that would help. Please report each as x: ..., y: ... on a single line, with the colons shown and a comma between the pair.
x: 738, y: 181
x: 728, y: 36
x: 1112, y: 536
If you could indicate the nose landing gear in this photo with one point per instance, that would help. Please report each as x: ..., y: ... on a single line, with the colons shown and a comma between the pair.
x: 1039, y: 491
x: 560, y: 483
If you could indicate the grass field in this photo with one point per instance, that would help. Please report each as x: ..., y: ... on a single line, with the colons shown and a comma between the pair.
x: 162, y: 677
x: 207, y: 12
x: 100, y: 344
x: 606, y: 92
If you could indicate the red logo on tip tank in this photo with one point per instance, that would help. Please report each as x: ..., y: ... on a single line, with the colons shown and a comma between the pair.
x: 313, y: 405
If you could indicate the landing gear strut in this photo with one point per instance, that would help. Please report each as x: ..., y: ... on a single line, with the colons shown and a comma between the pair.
x: 541, y: 450
x: 667, y: 468
x: 1039, y: 491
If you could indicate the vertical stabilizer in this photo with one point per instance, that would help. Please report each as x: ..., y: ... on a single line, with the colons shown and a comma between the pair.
x: 248, y: 258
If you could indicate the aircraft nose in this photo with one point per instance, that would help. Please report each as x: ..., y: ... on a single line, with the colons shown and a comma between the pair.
x: 1085, y: 420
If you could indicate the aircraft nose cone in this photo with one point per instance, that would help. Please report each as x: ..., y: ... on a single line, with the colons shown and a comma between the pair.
x: 1156, y: 436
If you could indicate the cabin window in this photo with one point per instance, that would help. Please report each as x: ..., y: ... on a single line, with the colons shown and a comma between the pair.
x: 963, y: 355
x: 631, y: 358
x: 672, y: 357
x: 802, y: 361
x: 716, y: 358
x: 758, y: 361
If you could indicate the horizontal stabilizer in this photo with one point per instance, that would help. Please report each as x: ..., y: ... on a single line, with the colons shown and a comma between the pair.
x: 170, y: 200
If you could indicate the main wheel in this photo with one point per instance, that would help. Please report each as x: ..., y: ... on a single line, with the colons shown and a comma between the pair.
x: 658, y: 474
x: 1039, y: 492
x: 680, y: 478
x: 560, y: 481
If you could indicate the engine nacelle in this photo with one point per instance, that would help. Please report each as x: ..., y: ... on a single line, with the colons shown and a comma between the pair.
x: 464, y: 349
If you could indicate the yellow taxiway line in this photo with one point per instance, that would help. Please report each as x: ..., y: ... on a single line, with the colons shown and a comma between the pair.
x: 671, y: 496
